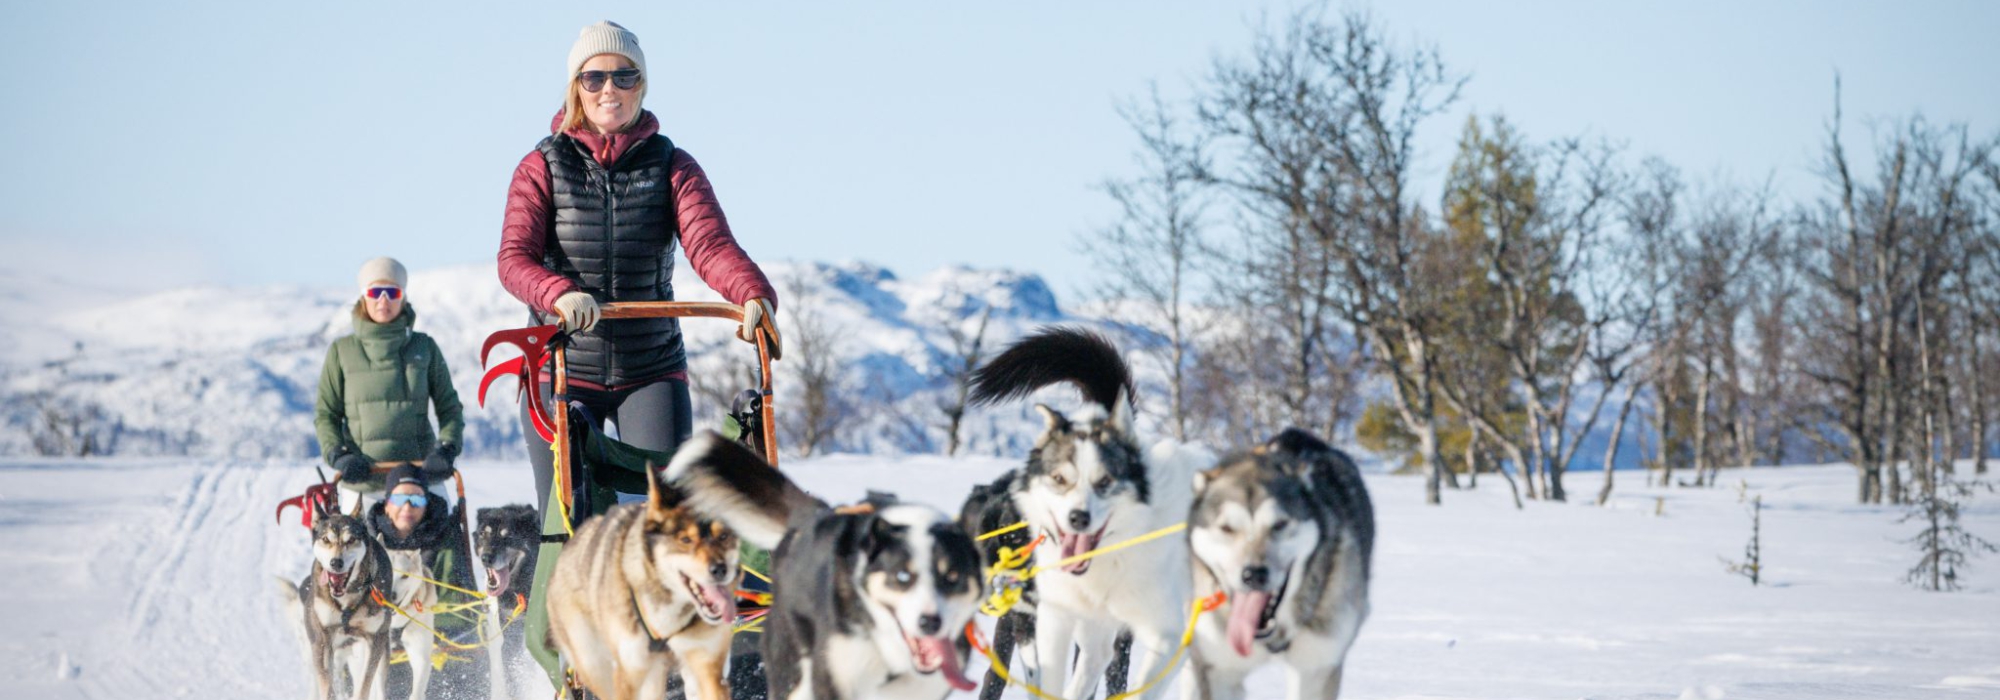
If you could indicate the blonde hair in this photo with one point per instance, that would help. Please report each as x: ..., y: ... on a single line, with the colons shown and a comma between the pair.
x: 573, y: 118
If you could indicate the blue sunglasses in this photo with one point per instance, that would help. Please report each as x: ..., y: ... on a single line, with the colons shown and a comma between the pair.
x: 413, y: 500
x: 385, y: 291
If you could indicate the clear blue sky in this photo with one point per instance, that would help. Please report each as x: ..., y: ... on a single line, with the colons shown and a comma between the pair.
x: 268, y: 142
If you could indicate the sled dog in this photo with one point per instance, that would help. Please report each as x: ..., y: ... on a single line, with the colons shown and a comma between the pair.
x: 346, y: 630
x: 869, y: 601
x: 644, y: 588
x: 410, y: 588
x: 1286, y: 530
x: 506, y: 541
x: 990, y: 508
x: 1088, y: 483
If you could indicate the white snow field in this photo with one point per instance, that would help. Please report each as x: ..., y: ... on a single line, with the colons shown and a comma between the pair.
x: 152, y: 578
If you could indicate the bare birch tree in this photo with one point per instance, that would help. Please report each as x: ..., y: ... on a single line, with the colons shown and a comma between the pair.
x: 823, y: 400
x: 1147, y: 261
x: 1320, y: 121
x: 968, y: 349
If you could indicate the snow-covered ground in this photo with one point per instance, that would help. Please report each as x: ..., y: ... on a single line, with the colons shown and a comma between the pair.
x: 152, y: 578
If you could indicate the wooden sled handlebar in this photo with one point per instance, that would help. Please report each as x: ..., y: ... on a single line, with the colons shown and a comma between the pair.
x: 767, y: 347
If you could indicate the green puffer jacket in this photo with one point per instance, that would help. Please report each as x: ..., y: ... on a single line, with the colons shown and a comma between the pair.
x: 377, y: 389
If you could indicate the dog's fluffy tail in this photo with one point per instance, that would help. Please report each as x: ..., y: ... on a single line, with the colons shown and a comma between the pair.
x: 1053, y: 355
x: 726, y: 481
x: 294, y: 610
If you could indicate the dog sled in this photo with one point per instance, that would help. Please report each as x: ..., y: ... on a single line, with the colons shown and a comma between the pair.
x: 442, y: 616
x: 591, y: 468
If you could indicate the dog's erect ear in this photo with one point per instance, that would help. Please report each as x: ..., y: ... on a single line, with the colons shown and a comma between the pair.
x: 1121, y: 413
x: 660, y: 497
x: 1202, y: 477
x: 1056, y: 422
x: 321, y: 508
x: 1294, y: 451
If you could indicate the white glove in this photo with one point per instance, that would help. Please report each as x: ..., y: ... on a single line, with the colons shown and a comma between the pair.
x: 758, y: 312
x: 578, y: 311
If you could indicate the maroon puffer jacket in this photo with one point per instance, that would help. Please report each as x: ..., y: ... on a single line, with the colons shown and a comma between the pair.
x: 704, y: 232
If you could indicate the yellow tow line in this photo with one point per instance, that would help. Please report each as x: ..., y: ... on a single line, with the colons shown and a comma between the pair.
x: 1007, y: 594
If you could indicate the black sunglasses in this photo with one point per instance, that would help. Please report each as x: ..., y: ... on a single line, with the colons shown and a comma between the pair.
x: 593, y: 80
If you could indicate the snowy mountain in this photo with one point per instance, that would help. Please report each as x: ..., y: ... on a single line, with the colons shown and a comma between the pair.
x: 233, y: 372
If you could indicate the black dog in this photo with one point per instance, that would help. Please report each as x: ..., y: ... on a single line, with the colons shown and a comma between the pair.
x: 507, y: 541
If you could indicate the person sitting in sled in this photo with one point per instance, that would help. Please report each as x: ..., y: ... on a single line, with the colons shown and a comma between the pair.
x: 379, y: 387
x: 594, y: 215
x: 410, y: 518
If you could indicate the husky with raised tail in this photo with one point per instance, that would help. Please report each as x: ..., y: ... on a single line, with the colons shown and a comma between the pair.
x: 1286, y: 530
x: 1088, y: 483
x: 868, y: 602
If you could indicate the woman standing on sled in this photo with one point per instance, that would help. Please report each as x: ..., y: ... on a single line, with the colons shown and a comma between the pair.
x: 379, y: 386
x: 594, y: 214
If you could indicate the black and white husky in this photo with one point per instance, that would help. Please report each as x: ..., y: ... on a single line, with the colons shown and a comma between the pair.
x: 1088, y: 483
x: 868, y: 602
x: 1286, y: 529
x: 990, y: 508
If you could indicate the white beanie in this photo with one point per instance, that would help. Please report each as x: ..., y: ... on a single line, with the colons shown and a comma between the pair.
x: 383, y: 268
x: 601, y: 38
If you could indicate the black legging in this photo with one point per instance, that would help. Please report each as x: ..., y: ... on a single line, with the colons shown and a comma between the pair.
x: 655, y: 416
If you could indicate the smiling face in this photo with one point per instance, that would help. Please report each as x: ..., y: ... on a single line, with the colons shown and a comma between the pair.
x: 1251, y: 528
x: 610, y: 109
x: 921, y: 577
x: 695, y: 556
x: 404, y: 517
x: 340, y: 545
x: 503, y: 545
x: 1081, y: 473
x: 383, y: 308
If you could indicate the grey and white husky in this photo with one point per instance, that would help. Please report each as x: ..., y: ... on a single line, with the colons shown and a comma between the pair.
x: 1088, y: 483
x: 1286, y: 530
x: 345, y: 629
x: 868, y: 601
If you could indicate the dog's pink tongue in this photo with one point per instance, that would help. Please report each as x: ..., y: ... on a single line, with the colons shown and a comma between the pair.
x: 1246, y: 610
x: 953, y: 673
x: 496, y: 581
x: 1074, y: 544
x: 720, y: 600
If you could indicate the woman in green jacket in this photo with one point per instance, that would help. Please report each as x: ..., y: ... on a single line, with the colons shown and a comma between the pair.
x: 379, y: 386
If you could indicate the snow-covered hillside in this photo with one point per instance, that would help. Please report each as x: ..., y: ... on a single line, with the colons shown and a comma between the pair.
x: 233, y: 372
x: 152, y: 578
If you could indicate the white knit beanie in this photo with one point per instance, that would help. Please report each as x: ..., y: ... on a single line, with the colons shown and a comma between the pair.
x: 383, y: 268
x: 605, y: 37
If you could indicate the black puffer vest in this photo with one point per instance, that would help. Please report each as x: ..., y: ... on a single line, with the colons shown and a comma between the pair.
x: 614, y: 236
